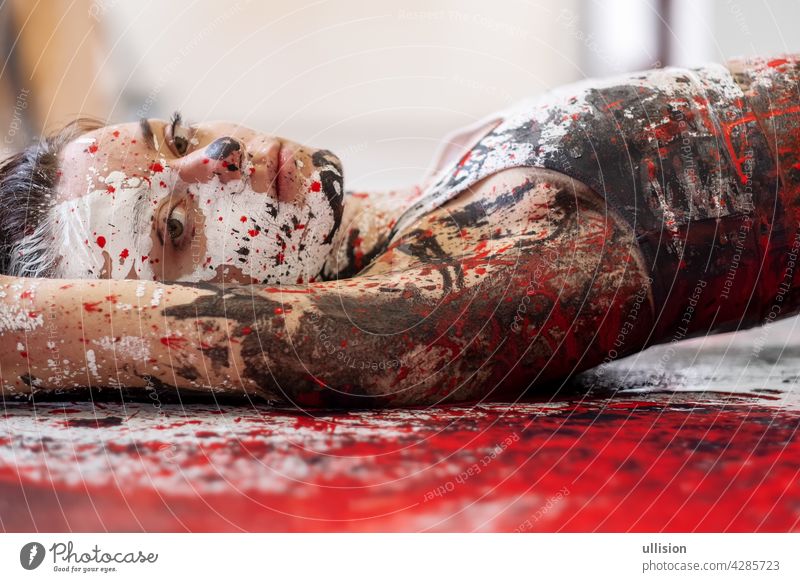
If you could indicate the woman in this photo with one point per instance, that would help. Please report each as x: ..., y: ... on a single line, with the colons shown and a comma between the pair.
x: 559, y: 234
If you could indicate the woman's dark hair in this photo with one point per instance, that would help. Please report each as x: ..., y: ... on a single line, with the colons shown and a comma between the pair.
x: 28, y: 182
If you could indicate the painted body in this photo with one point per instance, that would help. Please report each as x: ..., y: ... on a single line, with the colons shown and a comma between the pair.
x: 580, y: 228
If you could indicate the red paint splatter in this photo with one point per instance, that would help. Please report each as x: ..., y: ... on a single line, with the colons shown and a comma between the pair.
x: 651, y: 169
x: 101, y: 241
x: 316, y: 186
x: 246, y: 330
x: 243, y: 219
x: 174, y: 341
x: 110, y: 189
x: 124, y: 254
x: 92, y: 148
x: 92, y: 306
x: 156, y: 167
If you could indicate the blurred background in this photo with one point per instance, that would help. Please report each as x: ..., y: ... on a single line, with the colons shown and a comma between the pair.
x: 380, y: 83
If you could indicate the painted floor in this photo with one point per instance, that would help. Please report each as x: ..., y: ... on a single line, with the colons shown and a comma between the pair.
x: 698, y: 436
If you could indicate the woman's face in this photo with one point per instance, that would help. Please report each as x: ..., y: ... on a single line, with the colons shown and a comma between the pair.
x: 208, y: 202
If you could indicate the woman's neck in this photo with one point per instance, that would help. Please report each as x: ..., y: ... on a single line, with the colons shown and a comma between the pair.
x: 367, y: 220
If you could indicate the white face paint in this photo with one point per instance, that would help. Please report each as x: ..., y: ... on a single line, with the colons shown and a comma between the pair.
x: 270, y: 241
x: 109, y: 232
x: 101, y: 227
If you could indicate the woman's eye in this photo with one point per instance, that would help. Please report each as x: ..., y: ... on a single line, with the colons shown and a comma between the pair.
x: 180, y: 140
x: 174, y: 228
x: 178, y: 135
x: 176, y: 224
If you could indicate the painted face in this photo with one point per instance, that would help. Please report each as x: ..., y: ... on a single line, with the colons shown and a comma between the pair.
x: 208, y: 202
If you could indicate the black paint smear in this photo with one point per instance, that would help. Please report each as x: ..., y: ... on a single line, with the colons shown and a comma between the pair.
x: 188, y: 372
x: 476, y: 213
x: 28, y: 380
x: 237, y: 303
x: 335, y: 199
x: 222, y: 148
x: 330, y: 179
x: 424, y: 247
x: 218, y: 356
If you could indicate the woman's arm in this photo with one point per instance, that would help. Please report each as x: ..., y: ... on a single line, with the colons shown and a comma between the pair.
x: 60, y: 334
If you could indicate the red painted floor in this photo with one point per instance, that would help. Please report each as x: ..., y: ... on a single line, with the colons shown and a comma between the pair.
x: 693, y: 438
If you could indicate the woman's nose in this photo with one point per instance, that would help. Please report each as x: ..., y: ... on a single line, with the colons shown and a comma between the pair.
x: 222, y: 157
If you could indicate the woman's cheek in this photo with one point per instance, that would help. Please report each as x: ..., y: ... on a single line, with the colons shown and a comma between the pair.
x: 265, y: 241
x: 102, y: 235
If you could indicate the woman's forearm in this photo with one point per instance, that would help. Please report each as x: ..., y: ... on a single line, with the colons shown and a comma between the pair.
x: 64, y: 334
x: 326, y: 344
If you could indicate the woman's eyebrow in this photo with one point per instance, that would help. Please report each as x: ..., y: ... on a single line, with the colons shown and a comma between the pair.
x: 147, y: 132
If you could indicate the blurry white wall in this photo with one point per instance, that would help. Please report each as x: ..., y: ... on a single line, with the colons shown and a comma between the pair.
x: 752, y: 27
